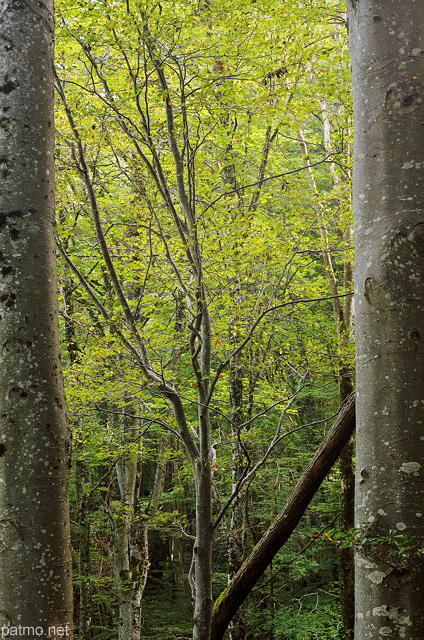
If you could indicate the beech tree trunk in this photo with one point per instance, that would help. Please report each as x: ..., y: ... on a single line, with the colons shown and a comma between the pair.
x: 345, y: 557
x: 202, y: 550
x: 237, y: 534
x: 285, y: 523
x: 83, y: 551
x: 131, y: 556
x: 35, y: 565
x: 386, y: 40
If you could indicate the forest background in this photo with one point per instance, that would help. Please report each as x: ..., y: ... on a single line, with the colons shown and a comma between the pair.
x: 204, y: 224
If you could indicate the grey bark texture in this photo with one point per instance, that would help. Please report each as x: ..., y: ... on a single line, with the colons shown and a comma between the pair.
x: 131, y: 527
x: 236, y: 545
x: 35, y: 569
x: 131, y: 558
x: 387, y: 56
x: 83, y: 564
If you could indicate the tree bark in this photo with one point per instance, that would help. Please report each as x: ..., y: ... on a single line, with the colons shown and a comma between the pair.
x: 386, y: 40
x: 237, y: 534
x: 281, y: 529
x: 202, y: 550
x: 131, y: 553
x: 83, y: 551
x: 35, y: 565
x: 346, y: 522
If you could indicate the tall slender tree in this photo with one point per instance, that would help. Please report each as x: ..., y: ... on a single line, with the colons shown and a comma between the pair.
x: 386, y: 39
x: 35, y: 585
x: 176, y: 166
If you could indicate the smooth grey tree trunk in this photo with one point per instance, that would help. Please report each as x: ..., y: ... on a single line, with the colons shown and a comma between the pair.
x: 202, y: 550
x: 82, y: 499
x: 35, y: 569
x: 236, y: 545
x: 131, y: 556
x: 386, y: 40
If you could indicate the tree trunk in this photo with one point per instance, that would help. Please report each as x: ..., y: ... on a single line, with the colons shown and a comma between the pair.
x: 131, y: 556
x: 346, y: 520
x: 83, y: 551
x: 133, y: 575
x: 237, y: 534
x: 35, y: 565
x: 202, y: 551
x: 281, y: 529
x: 386, y: 39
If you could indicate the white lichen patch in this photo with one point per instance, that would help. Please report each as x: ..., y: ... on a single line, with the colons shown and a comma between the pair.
x: 408, y: 165
x: 366, y: 563
x: 377, y: 577
x: 411, y: 467
x: 401, y: 526
x: 385, y: 631
x: 395, y: 615
x: 400, y: 621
